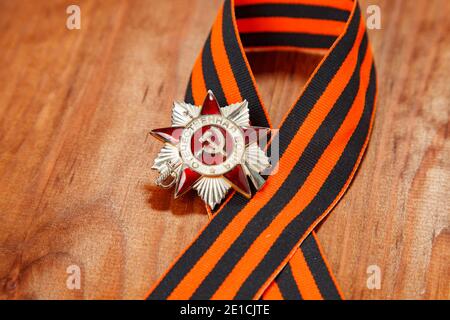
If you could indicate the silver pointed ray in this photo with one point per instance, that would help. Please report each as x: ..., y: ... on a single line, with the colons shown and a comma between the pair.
x: 183, y: 113
x: 257, y: 180
x: 256, y: 159
x: 238, y: 113
x: 168, y: 153
x: 212, y: 190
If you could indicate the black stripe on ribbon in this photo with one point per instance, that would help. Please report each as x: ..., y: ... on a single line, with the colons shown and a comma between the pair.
x: 188, y: 97
x: 319, y: 270
x: 287, y: 284
x: 212, y: 81
x: 284, y: 39
x: 291, y: 11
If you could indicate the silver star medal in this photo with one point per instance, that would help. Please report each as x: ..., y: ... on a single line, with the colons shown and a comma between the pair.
x: 211, y: 149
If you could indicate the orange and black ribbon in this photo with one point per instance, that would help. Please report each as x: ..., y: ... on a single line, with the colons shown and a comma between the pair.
x: 265, y: 247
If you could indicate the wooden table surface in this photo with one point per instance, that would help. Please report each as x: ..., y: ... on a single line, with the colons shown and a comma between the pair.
x: 75, y: 181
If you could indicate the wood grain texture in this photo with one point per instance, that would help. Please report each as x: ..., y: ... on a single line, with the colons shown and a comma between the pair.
x: 75, y: 181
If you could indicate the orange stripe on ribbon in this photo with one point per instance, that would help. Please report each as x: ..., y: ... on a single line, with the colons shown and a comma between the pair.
x: 294, y: 25
x: 222, y: 64
x: 304, y: 278
x: 273, y: 292
x: 198, y: 81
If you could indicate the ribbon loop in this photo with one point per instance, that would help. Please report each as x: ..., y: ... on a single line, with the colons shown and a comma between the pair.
x: 265, y: 247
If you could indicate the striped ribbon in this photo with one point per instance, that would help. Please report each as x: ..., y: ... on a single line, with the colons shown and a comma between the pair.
x: 265, y: 247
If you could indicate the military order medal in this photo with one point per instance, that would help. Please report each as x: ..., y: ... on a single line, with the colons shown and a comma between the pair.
x: 211, y: 149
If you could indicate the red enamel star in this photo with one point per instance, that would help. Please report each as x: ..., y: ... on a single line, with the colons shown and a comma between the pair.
x: 211, y: 149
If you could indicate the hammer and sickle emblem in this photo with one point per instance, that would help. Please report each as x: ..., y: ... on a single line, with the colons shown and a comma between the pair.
x: 213, y: 146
